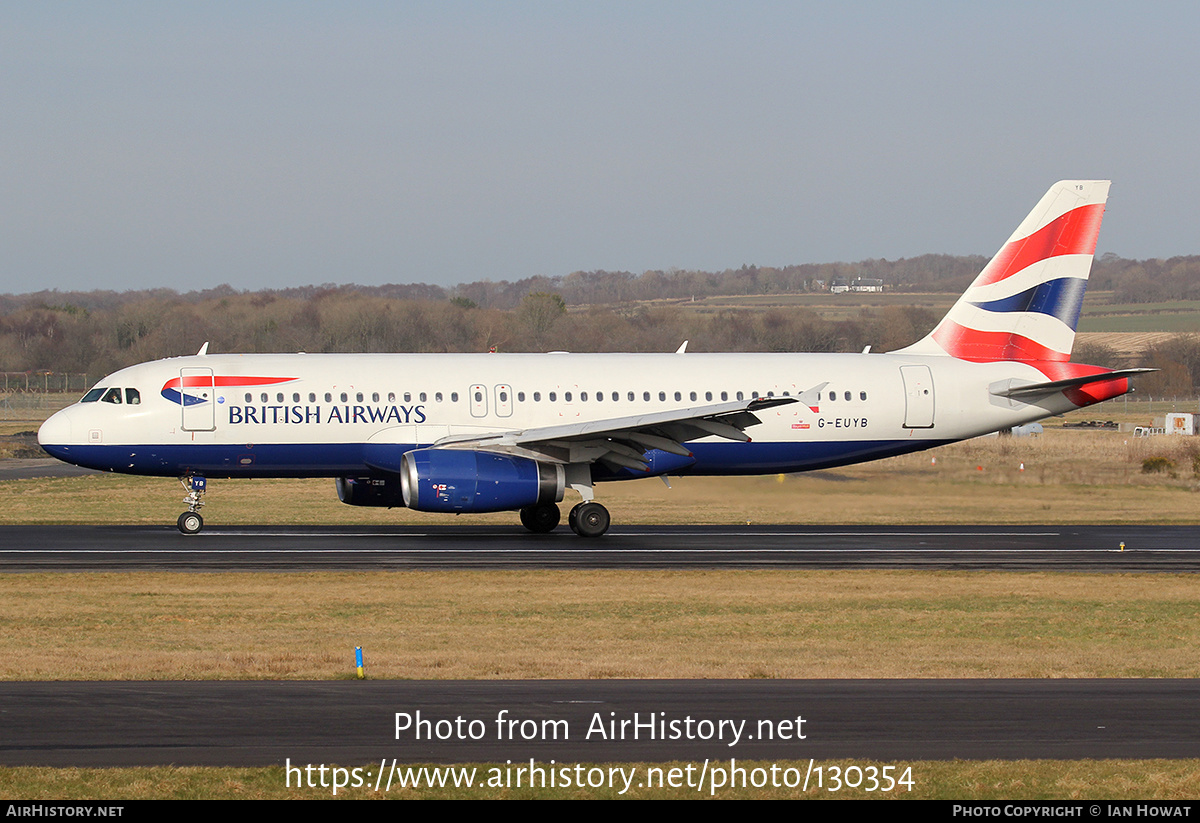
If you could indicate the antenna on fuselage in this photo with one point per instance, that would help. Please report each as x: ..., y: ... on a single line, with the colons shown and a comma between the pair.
x: 203, y: 350
x: 682, y: 348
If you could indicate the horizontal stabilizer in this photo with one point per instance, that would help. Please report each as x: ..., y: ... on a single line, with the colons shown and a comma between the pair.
x: 1039, y: 389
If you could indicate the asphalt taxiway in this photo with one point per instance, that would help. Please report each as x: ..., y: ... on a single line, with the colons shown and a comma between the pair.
x: 349, y: 722
x: 314, y: 548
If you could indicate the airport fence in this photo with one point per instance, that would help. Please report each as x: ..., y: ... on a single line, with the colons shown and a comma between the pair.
x: 34, y: 396
x: 45, y: 382
x: 1143, y: 405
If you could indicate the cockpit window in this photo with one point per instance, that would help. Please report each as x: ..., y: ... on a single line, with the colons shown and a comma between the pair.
x: 92, y: 396
x: 112, y: 396
x: 133, y: 397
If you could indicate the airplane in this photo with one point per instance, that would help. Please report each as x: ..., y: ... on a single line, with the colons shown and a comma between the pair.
x: 512, y: 432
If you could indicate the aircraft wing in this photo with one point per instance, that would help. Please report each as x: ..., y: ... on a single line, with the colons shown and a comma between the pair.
x: 622, y: 442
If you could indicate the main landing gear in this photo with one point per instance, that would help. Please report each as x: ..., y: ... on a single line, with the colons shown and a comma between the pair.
x: 190, y: 522
x: 540, y: 519
x: 588, y: 519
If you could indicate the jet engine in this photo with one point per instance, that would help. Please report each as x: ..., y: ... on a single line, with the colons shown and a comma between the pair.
x: 370, y: 491
x: 459, y: 480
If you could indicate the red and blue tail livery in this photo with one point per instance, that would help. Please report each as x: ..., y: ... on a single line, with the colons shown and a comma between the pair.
x: 1025, y: 303
x: 468, y: 433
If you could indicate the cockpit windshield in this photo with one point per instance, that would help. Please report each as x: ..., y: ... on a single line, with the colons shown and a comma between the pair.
x: 112, y: 395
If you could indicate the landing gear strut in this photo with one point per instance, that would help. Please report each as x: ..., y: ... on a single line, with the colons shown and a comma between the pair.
x: 588, y: 519
x: 540, y: 519
x: 190, y: 522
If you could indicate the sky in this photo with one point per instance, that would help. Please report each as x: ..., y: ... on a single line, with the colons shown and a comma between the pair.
x: 277, y: 144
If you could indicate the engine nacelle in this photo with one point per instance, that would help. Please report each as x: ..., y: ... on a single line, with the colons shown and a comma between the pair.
x: 456, y: 480
x: 370, y: 491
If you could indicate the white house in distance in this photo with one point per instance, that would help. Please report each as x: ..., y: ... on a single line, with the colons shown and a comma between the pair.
x: 866, y: 284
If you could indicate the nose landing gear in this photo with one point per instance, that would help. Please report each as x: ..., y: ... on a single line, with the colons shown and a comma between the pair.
x: 190, y: 522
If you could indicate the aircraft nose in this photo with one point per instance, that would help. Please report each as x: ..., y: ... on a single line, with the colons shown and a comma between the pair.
x: 56, y: 431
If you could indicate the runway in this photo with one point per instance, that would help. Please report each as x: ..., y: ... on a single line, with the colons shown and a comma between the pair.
x: 315, y: 548
x: 596, y: 721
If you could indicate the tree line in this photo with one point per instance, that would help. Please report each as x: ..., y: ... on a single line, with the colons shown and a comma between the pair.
x: 101, y: 331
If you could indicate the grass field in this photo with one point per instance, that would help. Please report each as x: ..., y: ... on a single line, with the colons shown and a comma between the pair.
x: 1099, y: 313
x: 981, y: 780
x: 590, y: 624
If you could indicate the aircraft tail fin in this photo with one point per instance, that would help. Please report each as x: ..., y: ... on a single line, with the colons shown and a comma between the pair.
x: 1025, y: 303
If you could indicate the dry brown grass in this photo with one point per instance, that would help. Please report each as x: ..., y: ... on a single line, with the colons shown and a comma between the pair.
x: 1128, y: 344
x: 598, y: 624
x: 1069, y: 476
x: 1138, y: 780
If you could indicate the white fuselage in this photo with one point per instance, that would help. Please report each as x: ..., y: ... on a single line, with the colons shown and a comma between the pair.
x: 313, y: 414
